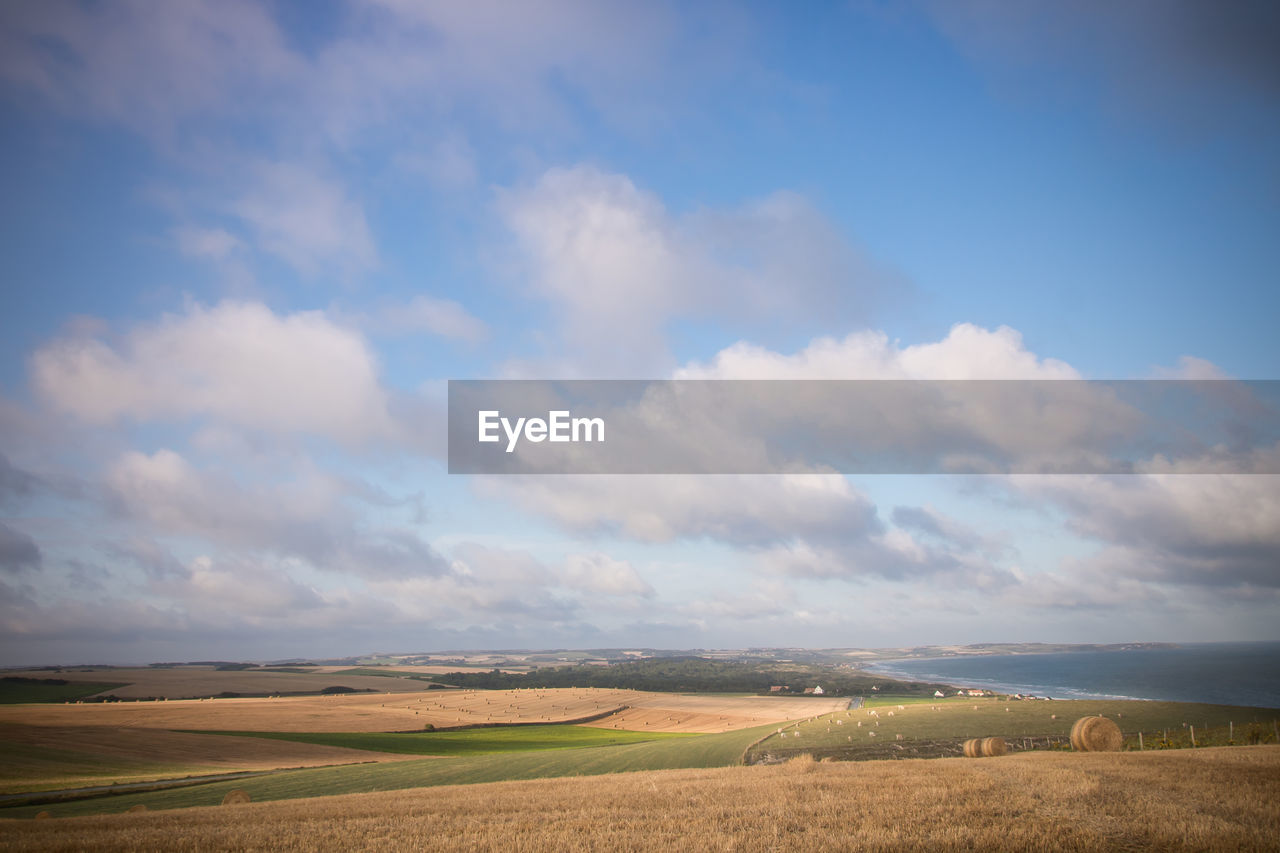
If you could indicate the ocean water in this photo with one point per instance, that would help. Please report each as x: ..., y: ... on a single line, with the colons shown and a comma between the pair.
x: 1221, y: 673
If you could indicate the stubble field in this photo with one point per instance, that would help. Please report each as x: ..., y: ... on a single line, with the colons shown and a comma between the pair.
x: 1212, y: 799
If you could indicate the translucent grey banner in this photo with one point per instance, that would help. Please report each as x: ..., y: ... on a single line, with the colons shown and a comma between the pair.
x: 864, y: 427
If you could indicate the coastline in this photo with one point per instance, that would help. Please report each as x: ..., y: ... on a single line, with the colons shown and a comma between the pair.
x: 1215, y: 673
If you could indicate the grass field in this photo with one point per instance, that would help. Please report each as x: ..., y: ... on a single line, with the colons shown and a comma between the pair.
x: 1213, y: 799
x: 202, y: 681
x: 714, y: 750
x: 44, y: 758
x: 470, y: 741
x: 1022, y: 723
x: 19, y: 690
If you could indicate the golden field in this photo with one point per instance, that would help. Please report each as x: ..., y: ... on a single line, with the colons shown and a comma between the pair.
x: 441, y: 708
x: 1210, y: 799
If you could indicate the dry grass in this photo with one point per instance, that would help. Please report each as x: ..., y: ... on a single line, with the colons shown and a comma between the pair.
x: 662, y: 712
x: 339, y: 713
x: 1212, y: 799
x: 709, y: 712
x: 237, y: 797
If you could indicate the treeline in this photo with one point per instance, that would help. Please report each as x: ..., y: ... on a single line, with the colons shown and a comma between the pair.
x: 692, y: 674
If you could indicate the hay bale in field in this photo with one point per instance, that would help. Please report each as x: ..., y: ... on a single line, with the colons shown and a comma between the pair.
x: 993, y: 746
x: 236, y: 797
x: 1096, y: 734
x: 140, y: 807
x: 973, y: 748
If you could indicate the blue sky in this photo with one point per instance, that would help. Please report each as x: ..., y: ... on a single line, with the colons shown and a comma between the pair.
x: 246, y: 243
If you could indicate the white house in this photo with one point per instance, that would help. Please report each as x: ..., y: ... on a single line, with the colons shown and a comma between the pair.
x: 939, y: 694
x: 818, y: 691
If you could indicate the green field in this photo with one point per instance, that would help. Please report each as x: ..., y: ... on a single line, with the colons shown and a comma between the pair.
x: 16, y: 691
x: 958, y: 718
x: 480, y: 741
x: 714, y: 750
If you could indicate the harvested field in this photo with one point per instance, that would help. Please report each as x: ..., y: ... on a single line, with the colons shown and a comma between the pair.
x: 196, y: 681
x: 36, y: 758
x: 339, y: 713
x: 1213, y: 799
x: 709, y: 712
x: 441, y: 708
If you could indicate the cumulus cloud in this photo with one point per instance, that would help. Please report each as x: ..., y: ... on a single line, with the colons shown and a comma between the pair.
x: 967, y: 352
x: 616, y: 267
x: 309, y: 516
x: 236, y: 362
x: 740, y: 509
x: 1205, y: 530
x: 602, y: 574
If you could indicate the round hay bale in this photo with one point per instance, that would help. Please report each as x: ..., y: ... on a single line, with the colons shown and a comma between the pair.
x: 1096, y: 734
x: 973, y: 748
x: 140, y: 807
x: 43, y: 816
x: 992, y: 746
x: 236, y: 797
x: 1075, y: 734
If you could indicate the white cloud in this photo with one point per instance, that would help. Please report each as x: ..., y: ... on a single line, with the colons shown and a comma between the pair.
x: 424, y: 313
x: 603, y: 574
x: 151, y: 67
x: 306, y: 219
x: 236, y: 362
x: 210, y: 243
x: 743, y: 510
x: 308, y: 514
x: 967, y: 352
x: 617, y: 267
x: 1191, y: 367
x: 1208, y: 530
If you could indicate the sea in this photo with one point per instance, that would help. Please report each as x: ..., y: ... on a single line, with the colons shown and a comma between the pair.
x: 1218, y: 673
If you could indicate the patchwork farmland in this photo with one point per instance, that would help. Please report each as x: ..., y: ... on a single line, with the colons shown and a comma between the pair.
x: 1213, y: 799
x: 76, y: 762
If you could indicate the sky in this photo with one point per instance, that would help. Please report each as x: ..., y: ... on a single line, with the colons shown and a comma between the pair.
x: 246, y: 244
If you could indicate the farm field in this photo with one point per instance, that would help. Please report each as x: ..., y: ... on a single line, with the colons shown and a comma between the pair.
x: 41, y: 758
x: 361, y: 712
x: 712, y: 750
x: 202, y: 681
x: 1212, y: 799
x: 943, y: 723
x: 440, y: 708
x: 713, y: 712
x: 481, y: 741
x: 22, y: 690
x: 47, y: 747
